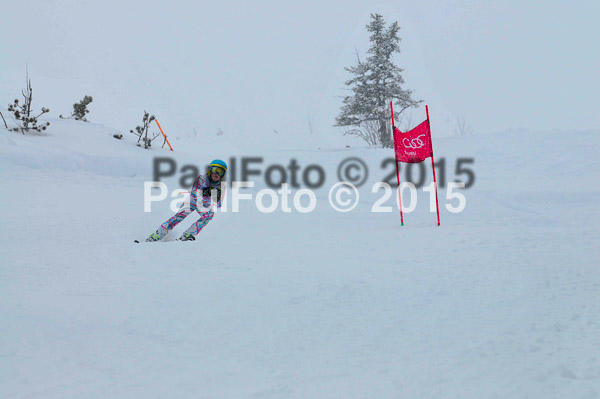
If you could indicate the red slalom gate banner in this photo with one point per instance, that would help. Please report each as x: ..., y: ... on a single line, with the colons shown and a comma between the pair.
x: 414, y: 146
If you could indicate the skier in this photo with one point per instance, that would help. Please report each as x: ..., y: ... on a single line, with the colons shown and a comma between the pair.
x: 202, y: 187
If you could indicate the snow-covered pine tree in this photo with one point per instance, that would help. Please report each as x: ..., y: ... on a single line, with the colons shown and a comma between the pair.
x: 375, y: 83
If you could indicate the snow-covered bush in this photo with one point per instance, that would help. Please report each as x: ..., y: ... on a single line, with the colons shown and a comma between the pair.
x: 23, y: 115
x: 142, y: 131
x: 80, y: 109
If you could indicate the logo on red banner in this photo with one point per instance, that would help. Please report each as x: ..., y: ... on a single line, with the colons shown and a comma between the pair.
x: 413, y: 146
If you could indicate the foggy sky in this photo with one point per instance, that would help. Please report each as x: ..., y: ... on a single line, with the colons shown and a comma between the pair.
x: 251, y: 67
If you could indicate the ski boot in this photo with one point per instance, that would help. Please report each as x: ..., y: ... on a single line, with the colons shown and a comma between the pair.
x: 187, y: 237
x: 153, y: 237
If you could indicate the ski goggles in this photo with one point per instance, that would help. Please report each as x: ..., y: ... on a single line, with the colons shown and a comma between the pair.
x: 217, y: 170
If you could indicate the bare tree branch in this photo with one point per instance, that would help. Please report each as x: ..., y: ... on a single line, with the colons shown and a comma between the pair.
x: 5, y: 125
x: 461, y: 128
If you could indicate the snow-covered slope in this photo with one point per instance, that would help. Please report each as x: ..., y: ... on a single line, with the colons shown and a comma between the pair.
x: 500, y: 301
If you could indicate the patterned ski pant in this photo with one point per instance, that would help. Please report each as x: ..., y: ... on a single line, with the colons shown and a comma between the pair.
x: 206, y: 216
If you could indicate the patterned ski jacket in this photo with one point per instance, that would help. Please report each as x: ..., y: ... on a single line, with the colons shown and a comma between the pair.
x: 202, y: 187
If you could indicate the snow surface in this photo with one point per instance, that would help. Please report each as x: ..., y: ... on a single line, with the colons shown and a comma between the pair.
x: 500, y: 301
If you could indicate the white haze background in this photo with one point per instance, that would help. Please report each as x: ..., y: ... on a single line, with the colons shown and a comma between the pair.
x: 249, y: 68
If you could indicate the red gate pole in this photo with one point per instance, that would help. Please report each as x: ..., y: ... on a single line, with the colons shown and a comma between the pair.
x: 433, y: 166
x: 397, y: 170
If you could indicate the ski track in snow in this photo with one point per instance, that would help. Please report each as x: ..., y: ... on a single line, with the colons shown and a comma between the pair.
x: 501, y: 301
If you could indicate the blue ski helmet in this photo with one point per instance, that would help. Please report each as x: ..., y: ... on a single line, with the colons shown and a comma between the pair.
x: 218, y: 166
